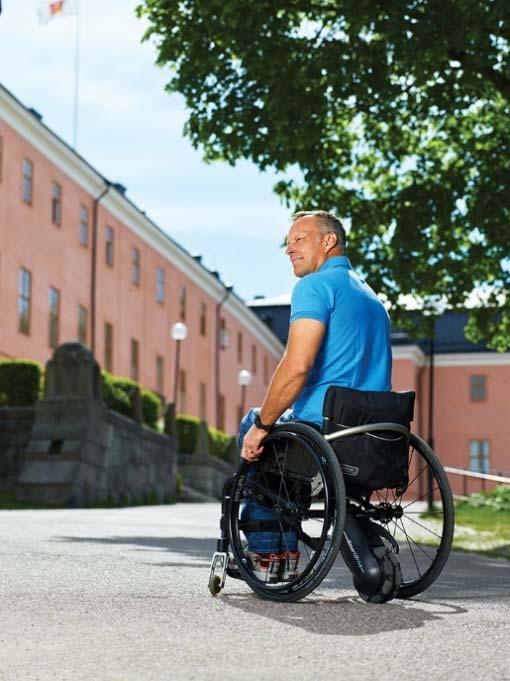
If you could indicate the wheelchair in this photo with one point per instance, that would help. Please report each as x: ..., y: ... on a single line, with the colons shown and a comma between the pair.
x: 395, y: 539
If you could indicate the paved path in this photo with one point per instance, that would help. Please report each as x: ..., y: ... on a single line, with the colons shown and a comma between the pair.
x: 121, y: 595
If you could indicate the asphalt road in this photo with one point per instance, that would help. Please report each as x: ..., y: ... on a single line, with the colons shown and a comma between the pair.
x: 121, y: 595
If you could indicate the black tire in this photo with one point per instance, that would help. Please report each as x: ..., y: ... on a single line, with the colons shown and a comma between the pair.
x: 299, y: 483
x: 424, y: 537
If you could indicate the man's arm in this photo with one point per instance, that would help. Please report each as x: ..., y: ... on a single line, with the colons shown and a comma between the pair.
x: 289, y: 378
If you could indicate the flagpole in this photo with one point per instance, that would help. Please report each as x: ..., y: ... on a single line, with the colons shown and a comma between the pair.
x: 76, y: 75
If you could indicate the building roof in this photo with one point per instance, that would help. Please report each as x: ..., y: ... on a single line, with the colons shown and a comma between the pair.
x: 449, y: 328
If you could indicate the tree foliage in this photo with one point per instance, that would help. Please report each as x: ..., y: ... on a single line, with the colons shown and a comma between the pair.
x: 394, y: 113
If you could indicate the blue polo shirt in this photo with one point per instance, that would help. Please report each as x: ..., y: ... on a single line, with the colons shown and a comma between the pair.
x: 356, y: 349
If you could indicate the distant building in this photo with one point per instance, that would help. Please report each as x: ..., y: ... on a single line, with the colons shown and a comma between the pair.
x: 471, y: 389
x: 78, y: 260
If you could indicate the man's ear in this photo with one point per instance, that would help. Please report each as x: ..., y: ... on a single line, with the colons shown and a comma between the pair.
x: 332, y: 241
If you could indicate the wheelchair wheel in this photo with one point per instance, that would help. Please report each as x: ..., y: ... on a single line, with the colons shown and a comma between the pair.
x: 293, y: 498
x: 424, y: 535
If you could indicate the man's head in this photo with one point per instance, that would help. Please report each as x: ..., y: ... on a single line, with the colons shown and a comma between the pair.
x: 314, y: 236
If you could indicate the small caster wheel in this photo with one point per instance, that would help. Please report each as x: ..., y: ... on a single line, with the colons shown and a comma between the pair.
x: 215, y: 585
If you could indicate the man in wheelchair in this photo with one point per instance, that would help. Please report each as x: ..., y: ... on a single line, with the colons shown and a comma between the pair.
x: 339, y: 336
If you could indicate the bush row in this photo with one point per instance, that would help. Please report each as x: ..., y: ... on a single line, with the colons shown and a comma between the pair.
x: 20, y: 382
x: 188, y: 434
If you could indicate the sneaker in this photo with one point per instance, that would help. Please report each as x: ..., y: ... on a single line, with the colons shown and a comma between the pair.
x: 265, y: 566
x: 290, y: 560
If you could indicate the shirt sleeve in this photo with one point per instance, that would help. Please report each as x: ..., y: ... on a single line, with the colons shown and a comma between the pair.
x: 310, y: 301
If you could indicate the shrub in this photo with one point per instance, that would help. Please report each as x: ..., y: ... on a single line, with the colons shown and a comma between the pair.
x: 115, y: 394
x: 152, y: 408
x: 187, y: 433
x: 219, y: 443
x: 20, y: 382
x: 498, y: 498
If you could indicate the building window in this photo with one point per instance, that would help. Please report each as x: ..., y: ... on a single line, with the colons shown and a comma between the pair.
x: 134, y: 359
x: 478, y: 388
x: 221, y: 412
x: 223, y: 334
x: 182, y: 392
x: 135, y: 266
x: 28, y: 181
x: 239, y: 346
x: 84, y: 226
x: 182, y: 303
x: 108, y: 346
x: 109, y: 245
x: 479, y: 453
x: 253, y: 359
x: 56, y: 204
x: 1, y: 156
x: 160, y: 375
x: 266, y: 370
x: 203, y: 319
x: 54, y: 317
x: 160, y: 285
x: 203, y: 402
x: 24, y: 301
x: 82, y: 324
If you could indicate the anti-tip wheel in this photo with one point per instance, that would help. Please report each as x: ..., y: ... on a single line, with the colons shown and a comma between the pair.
x: 215, y: 585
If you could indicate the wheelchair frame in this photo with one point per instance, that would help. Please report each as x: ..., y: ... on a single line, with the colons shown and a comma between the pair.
x: 384, y: 510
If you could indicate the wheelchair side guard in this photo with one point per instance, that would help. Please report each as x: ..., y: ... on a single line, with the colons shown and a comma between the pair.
x: 370, y: 553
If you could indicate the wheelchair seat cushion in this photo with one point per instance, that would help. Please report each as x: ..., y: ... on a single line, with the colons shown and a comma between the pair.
x: 376, y: 460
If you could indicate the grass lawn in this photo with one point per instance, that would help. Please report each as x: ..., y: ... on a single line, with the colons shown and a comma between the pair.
x: 8, y: 502
x: 482, y: 529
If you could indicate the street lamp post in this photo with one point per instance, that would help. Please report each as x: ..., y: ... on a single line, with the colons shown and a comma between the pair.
x: 179, y: 333
x: 244, y: 379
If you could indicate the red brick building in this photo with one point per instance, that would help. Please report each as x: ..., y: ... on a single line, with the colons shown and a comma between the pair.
x: 78, y: 260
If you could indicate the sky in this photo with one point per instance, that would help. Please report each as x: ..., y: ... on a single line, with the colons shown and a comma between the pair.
x: 130, y: 130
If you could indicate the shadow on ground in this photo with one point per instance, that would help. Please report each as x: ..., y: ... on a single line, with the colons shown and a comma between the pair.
x: 467, y: 576
x: 344, y: 616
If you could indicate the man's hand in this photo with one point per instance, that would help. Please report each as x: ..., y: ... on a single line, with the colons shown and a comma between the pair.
x: 252, y: 444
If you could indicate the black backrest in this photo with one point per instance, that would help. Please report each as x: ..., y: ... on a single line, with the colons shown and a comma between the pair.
x: 349, y: 407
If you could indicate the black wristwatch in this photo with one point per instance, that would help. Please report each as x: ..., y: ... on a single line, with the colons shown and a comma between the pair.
x: 263, y: 426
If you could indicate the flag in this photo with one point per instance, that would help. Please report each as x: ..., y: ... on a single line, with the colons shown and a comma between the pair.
x: 46, y: 10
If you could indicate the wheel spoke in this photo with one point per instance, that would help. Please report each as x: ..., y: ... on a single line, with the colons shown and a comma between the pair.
x: 425, y: 528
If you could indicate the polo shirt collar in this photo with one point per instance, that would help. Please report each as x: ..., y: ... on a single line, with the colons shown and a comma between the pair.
x: 336, y: 261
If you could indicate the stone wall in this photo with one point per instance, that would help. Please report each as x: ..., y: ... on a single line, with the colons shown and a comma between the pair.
x: 204, y: 473
x: 82, y: 453
x: 71, y: 450
x: 15, y: 428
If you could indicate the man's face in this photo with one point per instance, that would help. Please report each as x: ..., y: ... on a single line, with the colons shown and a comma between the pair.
x: 305, y: 245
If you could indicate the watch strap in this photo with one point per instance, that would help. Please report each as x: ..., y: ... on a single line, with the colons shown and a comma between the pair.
x: 263, y: 426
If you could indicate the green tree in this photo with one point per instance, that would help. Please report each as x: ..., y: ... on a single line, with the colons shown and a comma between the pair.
x: 393, y: 113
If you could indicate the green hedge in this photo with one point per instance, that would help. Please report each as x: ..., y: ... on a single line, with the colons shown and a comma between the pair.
x: 187, y: 427
x: 219, y: 443
x: 20, y: 382
x: 152, y: 408
x: 118, y: 392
